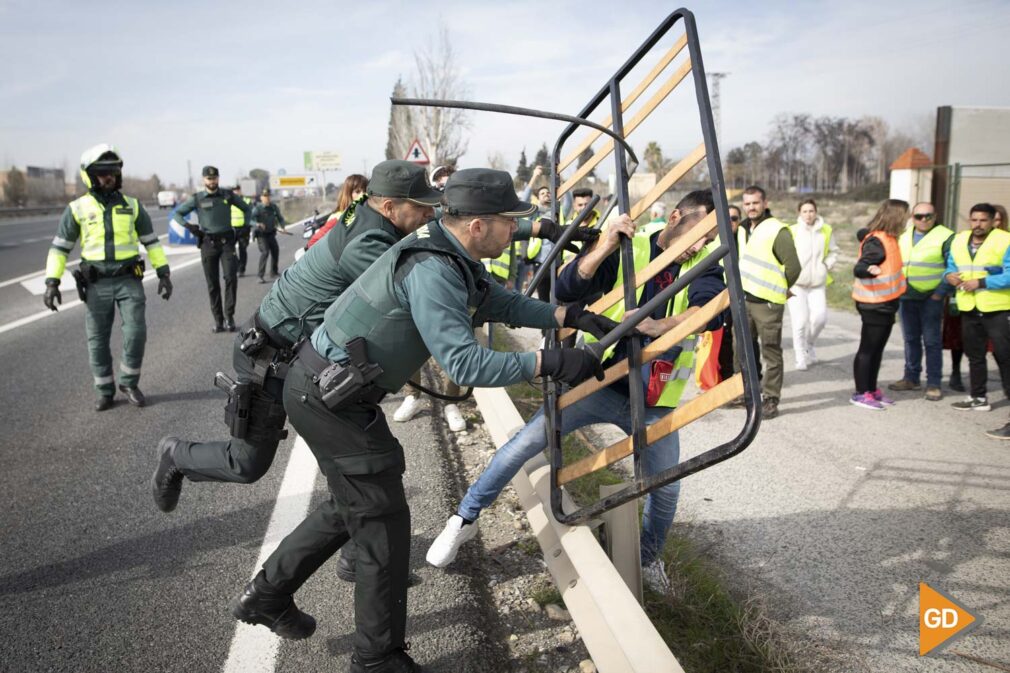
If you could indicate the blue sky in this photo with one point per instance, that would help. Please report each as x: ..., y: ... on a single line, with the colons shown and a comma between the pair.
x: 247, y: 84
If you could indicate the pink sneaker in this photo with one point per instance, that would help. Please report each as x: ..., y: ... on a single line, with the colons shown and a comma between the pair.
x: 879, y: 395
x: 866, y: 401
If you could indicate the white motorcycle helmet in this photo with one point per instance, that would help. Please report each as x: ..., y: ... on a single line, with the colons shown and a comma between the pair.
x: 103, y: 157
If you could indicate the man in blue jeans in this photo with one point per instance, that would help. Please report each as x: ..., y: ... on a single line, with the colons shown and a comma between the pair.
x: 598, y: 270
x: 925, y: 247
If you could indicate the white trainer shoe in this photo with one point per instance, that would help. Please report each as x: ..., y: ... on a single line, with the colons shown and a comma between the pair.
x: 455, y: 419
x: 443, y: 550
x: 811, y: 355
x: 407, y: 409
x: 654, y: 577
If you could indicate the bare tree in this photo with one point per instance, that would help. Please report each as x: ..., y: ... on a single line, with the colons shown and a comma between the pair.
x: 16, y: 188
x: 496, y: 160
x: 441, y: 130
x: 401, y: 125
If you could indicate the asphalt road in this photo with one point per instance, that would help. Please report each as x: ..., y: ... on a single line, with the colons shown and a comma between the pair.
x: 94, y: 578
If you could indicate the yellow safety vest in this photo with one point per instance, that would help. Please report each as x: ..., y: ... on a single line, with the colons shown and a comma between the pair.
x: 90, y: 215
x: 500, y: 266
x: 741, y: 244
x: 590, y: 221
x: 237, y: 217
x: 826, y: 228
x: 683, y: 366
x: 535, y: 244
x: 761, y: 273
x: 990, y: 254
x: 924, y: 262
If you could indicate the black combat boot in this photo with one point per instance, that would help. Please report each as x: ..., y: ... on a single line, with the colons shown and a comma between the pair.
x: 166, y: 484
x: 261, y: 604
x: 133, y: 395
x: 103, y: 402
x: 397, y: 661
x: 347, y: 561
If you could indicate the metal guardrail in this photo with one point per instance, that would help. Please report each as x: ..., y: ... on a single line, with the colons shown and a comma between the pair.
x: 31, y: 211
x: 617, y: 632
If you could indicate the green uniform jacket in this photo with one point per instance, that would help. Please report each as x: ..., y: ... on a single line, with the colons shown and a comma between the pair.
x: 421, y: 305
x: 69, y: 231
x: 213, y: 210
x: 295, y: 304
x: 269, y: 216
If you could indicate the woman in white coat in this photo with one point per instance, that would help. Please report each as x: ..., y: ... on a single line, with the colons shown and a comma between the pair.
x: 808, y: 307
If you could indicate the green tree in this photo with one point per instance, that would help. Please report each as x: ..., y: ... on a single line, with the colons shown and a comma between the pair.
x: 542, y: 158
x: 16, y: 188
x: 654, y: 159
x: 262, y: 178
x: 523, y: 168
x: 585, y: 156
x: 401, y: 125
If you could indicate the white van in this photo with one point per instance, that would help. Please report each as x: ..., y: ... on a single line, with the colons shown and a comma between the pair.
x: 166, y: 199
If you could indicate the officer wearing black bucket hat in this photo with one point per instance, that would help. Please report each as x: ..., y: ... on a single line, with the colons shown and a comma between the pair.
x: 420, y: 299
x: 216, y: 238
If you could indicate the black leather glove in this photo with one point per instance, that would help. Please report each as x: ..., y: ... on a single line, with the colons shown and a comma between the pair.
x: 164, y: 287
x: 549, y: 230
x: 570, y: 365
x: 582, y: 235
x: 52, y: 298
x: 579, y: 318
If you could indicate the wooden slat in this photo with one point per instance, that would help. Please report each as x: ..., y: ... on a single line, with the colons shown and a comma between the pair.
x: 707, y: 224
x: 669, y: 180
x: 629, y: 127
x: 694, y: 323
x: 728, y: 390
x: 628, y: 101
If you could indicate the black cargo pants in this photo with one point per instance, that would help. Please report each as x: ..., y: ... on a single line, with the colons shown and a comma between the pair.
x: 363, y: 465
x: 217, y: 253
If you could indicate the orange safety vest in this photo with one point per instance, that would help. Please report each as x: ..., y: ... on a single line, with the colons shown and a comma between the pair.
x: 890, y: 284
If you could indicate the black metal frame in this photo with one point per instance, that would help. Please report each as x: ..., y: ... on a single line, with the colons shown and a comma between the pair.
x: 744, y: 345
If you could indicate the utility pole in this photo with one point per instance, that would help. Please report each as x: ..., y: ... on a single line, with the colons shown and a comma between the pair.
x: 189, y: 172
x: 716, y: 77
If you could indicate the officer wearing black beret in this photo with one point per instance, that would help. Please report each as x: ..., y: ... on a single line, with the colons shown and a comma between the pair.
x: 420, y: 299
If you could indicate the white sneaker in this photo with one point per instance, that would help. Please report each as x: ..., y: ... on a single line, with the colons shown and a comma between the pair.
x: 455, y: 419
x: 407, y: 409
x: 811, y: 355
x: 443, y: 550
x: 654, y: 577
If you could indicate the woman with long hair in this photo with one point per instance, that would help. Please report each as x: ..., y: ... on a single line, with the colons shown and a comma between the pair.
x: 1001, y: 221
x: 351, y: 194
x: 879, y: 282
x: 808, y: 305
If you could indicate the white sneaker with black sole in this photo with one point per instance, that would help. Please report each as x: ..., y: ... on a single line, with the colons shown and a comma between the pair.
x: 654, y: 577
x: 454, y: 418
x: 973, y: 404
x: 443, y: 550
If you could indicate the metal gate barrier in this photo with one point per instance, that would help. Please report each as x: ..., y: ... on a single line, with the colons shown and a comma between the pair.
x: 744, y: 383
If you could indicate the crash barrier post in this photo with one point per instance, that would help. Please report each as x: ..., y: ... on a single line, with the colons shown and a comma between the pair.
x: 617, y: 632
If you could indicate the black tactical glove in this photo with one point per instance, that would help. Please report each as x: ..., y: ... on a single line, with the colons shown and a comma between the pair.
x: 52, y: 298
x: 570, y: 365
x: 583, y: 234
x: 549, y: 230
x: 164, y: 287
x: 579, y: 318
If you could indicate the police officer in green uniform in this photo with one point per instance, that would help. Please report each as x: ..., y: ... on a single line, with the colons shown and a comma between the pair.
x: 110, y: 227
x: 239, y: 223
x: 399, y: 200
x: 267, y: 221
x: 216, y: 237
x: 420, y: 299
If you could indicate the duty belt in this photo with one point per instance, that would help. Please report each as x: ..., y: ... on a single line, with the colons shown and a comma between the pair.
x: 320, y: 367
x: 92, y: 274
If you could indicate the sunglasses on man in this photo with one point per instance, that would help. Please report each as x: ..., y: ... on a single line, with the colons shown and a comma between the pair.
x: 734, y: 218
x: 923, y: 216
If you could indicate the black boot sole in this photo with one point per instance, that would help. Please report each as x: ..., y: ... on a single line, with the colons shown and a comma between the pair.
x: 155, y: 490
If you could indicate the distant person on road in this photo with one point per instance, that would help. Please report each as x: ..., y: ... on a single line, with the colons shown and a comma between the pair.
x: 110, y: 227
x: 726, y: 345
x: 240, y: 223
x: 769, y: 266
x: 267, y: 222
x: 979, y: 270
x: 352, y: 193
x: 925, y: 249
x: 808, y: 305
x: 216, y: 238
x: 878, y: 285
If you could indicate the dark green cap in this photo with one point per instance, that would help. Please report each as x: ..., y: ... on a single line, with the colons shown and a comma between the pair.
x: 210, y: 172
x: 484, y: 191
x: 398, y: 179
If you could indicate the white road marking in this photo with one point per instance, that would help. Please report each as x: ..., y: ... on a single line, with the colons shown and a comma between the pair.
x: 254, y: 648
x: 69, y: 291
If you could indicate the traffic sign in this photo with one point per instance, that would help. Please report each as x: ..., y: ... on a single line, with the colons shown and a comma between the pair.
x: 321, y: 161
x: 284, y: 181
x: 417, y: 154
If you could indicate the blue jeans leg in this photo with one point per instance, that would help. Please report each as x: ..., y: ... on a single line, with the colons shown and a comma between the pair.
x: 660, y: 504
x: 911, y: 328
x: 531, y: 441
x: 932, y: 319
